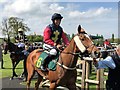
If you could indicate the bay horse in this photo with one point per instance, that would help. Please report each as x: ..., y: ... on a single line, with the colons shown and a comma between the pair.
x: 65, y: 73
x: 16, y: 56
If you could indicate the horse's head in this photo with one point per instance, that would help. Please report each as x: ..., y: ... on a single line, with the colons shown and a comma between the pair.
x: 85, y: 44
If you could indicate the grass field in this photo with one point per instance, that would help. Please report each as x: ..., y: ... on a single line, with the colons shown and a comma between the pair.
x: 7, y: 72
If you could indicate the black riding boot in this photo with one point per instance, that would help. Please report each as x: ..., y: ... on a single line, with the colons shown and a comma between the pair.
x: 45, y: 63
x: 43, y: 66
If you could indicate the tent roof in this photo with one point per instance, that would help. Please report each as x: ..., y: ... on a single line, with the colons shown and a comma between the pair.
x: 95, y: 37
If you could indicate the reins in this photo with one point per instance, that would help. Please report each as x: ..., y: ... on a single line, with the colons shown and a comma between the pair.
x: 62, y: 65
x: 75, y: 54
x: 68, y: 68
x: 65, y: 67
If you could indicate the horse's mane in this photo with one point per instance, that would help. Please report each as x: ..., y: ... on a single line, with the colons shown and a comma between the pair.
x: 12, y: 46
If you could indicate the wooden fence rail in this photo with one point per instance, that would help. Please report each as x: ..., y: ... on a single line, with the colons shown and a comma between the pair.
x: 85, y: 80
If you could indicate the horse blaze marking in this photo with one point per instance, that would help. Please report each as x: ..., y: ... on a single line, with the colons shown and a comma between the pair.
x: 39, y: 62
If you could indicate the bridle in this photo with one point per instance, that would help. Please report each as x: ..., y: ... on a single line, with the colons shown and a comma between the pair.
x: 85, y: 47
x: 76, y: 53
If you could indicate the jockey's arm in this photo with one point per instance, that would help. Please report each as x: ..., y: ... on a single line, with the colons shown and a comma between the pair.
x: 47, y: 34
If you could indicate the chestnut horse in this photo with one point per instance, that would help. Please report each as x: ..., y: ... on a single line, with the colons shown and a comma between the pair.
x: 65, y: 73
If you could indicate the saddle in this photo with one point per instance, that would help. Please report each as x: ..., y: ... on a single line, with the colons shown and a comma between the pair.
x: 50, y: 61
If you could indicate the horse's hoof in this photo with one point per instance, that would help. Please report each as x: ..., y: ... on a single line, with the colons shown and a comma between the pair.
x: 24, y: 79
x: 21, y: 76
x: 11, y: 78
x: 16, y: 75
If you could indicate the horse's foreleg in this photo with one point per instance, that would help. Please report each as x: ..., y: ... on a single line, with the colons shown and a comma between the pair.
x: 24, y: 74
x: 53, y: 86
x: 72, y: 87
x: 13, y: 64
x: 38, y: 82
x: 13, y: 69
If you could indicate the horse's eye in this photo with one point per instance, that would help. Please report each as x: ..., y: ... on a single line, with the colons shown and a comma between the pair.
x: 82, y: 39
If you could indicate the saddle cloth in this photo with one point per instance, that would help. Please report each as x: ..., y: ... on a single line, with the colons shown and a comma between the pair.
x: 51, y: 65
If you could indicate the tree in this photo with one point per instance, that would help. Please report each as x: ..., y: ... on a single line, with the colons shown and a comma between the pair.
x: 35, y: 38
x: 11, y: 25
x: 112, y: 38
x: 16, y: 23
x: 72, y: 35
x: 5, y: 28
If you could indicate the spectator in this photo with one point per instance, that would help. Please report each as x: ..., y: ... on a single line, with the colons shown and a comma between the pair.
x: 1, y: 57
x: 113, y: 63
x: 107, y: 44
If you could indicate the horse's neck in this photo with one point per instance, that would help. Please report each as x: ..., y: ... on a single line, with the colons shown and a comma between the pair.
x: 12, y: 47
x: 70, y: 47
x: 69, y: 59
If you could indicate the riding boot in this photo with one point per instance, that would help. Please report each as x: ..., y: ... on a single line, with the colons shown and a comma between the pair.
x: 43, y: 65
x: 43, y: 68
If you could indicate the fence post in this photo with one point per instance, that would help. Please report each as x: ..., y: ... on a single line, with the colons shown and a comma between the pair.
x: 98, y: 78
x: 101, y: 81
x: 87, y: 73
x: 83, y: 75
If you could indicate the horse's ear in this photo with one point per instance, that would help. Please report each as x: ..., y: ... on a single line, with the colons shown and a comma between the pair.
x: 79, y: 29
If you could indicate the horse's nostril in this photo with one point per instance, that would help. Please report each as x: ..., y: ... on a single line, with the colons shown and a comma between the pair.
x: 95, y: 52
x: 98, y: 54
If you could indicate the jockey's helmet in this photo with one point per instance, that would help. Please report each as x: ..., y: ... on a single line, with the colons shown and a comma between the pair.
x: 56, y: 16
x: 20, y: 30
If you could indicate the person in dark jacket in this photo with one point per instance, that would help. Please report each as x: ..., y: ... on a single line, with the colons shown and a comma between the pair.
x: 1, y: 57
x: 113, y: 63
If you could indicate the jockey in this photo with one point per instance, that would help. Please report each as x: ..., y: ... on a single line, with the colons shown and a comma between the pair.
x: 20, y: 38
x: 52, y: 37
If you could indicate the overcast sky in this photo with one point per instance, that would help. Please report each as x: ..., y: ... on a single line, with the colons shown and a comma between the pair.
x: 95, y: 17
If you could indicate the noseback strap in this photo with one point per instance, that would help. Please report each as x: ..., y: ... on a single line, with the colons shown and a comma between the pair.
x: 79, y: 44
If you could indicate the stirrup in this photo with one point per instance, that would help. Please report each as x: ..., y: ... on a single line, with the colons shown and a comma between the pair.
x: 43, y: 68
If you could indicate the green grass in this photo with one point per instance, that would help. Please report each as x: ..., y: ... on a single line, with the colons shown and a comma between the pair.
x: 7, y: 72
